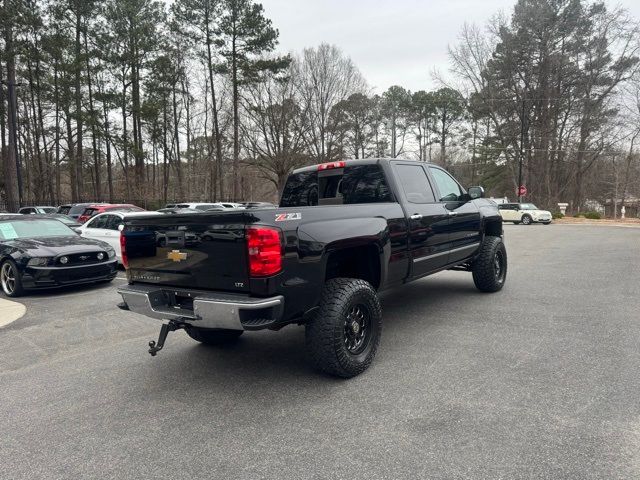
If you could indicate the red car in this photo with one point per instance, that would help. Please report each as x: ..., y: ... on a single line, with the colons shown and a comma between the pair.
x: 93, y: 210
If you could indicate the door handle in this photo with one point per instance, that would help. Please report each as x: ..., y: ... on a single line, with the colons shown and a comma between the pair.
x: 415, y: 216
x: 452, y: 213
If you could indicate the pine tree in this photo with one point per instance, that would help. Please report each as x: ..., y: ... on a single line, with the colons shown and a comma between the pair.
x: 245, y: 36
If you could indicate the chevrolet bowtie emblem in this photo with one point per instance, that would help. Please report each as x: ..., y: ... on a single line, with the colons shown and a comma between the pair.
x: 176, y: 255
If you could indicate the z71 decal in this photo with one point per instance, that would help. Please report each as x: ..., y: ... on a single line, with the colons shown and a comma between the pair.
x: 283, y: 217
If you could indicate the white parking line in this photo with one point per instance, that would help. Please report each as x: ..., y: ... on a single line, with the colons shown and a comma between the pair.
x: 10, y: 311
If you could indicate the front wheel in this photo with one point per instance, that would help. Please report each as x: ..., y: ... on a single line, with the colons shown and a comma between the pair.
x: 210, y: 336
x: 10, y: 279
x: 343, y: 336
x: 490, y: 266
x: 527, y: 220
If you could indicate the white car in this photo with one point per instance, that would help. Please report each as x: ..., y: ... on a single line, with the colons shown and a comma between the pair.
x: 525, y: 213
x: 106, y: 227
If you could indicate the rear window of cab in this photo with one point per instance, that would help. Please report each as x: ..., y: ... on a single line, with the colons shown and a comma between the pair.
x: 342, y: 186
x: 89, y: 212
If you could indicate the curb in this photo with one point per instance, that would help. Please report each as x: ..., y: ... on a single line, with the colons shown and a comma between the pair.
x: 10, y: 311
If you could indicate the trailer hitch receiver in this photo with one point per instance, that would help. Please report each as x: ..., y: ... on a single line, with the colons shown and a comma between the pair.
x: 172, y: 326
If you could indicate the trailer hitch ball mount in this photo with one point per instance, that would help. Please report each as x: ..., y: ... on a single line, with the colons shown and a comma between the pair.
x: 171, y: 326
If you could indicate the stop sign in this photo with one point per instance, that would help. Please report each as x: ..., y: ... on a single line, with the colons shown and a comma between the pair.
x: 522, y: 191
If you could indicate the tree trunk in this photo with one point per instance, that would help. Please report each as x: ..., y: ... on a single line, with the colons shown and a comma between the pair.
x: 56, y: 96
x: 107, y: 138
x: 214, y: 111
x: 236, y: 120
x: 178, y: 164
x: 78, y: 112
x: 10, y: 159
x: 92, y: 116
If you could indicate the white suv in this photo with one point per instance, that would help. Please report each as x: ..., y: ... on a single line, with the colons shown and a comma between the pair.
x: 525, y: 213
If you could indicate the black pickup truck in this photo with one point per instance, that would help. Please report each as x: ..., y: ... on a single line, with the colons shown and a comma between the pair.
x: 343, y: 231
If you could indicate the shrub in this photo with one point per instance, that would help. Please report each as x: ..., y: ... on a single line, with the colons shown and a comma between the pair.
x: 555, y: 215
x: 592, y: 215
x: 579, y: 215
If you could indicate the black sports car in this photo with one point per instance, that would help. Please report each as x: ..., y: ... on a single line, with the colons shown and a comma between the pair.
x: 45, y: 253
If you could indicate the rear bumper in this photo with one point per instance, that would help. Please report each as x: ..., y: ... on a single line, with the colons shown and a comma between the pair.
x: 203, y: 309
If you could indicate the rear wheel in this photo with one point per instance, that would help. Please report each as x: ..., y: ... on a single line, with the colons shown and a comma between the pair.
x: 210, y: 336
x: 490, y: 266
x: 10, y: 279
x: 343, y: 337
x: 526, y: 220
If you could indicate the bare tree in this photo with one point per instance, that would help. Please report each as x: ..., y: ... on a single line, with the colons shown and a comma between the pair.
x: 324, y: 77
x: 273, y: 130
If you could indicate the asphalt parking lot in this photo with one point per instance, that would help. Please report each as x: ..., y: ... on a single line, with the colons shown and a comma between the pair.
x: 540, y: 380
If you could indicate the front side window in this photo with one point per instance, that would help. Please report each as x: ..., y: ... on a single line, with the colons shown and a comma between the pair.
x: 449, y: 189
x: 528, y: 206
x: 415, y: 183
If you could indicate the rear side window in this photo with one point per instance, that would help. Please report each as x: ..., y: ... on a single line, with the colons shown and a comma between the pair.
x: 90, y: 212
x: 348, y: 186
x: 99, y: 222
x: 112, y: 222
x: 77, y: 210
x: 301, y: 190
x: 64, y: 209
x: 415, y: 183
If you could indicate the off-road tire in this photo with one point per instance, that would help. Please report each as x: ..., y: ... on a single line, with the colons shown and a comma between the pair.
x: 526, y: 220
x: 326, y: 336
x: 210, y: 336
x: 12, y: 269
x: 487, y: 276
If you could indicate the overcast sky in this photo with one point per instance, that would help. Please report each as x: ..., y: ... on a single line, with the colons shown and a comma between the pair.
x: 393, y: 42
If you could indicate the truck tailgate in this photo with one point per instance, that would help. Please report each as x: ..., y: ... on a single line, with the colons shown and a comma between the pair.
x: 202, y: 250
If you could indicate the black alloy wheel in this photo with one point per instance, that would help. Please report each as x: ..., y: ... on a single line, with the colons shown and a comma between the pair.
x: 357, y: 329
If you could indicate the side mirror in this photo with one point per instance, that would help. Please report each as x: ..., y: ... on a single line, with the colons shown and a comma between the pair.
x: 476, y: 192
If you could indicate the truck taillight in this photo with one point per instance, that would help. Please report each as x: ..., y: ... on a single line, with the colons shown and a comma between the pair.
x: 123, y: 250
x: 265, y: 251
